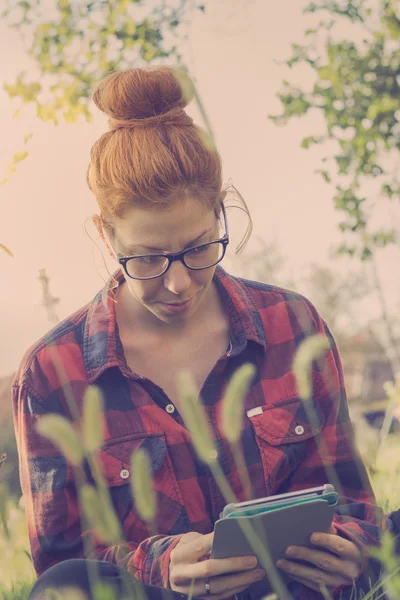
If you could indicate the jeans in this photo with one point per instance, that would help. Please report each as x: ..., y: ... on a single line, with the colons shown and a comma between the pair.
x: 76, y: 573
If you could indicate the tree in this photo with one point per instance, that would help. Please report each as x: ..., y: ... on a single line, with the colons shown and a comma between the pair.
x: 357, y: 91
x: 336, y: 297
x: 75, y: 44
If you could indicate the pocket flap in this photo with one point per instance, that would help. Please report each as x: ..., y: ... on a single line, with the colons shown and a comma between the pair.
x: 115, y: 456
x: 286, y: 422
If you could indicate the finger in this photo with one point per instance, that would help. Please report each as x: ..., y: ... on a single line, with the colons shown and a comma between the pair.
x: 191, y: 550
x: 213, y: 567
x: 189, y: 537
x: 310, y: 574
x: 338, y: 545
x: 223, y: 584
x: 226, y: 594
x: 325, y: 560
x: 310, y: 584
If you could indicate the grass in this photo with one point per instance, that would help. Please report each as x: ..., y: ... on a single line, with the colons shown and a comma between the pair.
x: 16, y: 571
x: 16, y: 591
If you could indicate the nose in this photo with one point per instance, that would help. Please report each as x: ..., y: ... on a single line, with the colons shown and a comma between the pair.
x: 177, y: 279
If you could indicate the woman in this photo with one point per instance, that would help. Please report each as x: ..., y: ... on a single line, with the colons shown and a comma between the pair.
x: 157, y: 180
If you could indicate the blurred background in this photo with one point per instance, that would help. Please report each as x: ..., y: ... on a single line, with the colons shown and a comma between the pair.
x: 303, y: 102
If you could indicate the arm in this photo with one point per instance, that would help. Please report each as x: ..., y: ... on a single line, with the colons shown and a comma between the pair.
x: 52, y: 507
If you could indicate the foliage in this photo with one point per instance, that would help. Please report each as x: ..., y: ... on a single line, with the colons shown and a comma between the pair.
x: 336, y: 296
x: 14, y: 558
x: 356, y: 90
x: 16, y: 568
x: 18, y: 591
x: 9, y: 470
x: 12, y: 168
x: 74, y: 44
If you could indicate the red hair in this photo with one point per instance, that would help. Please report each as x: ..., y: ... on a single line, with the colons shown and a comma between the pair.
x: 153, y: 153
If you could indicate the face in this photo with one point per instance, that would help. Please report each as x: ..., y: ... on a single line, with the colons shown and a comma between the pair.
x: 177, y: 295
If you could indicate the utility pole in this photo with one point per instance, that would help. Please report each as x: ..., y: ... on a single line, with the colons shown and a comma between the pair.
x: 49, y: 302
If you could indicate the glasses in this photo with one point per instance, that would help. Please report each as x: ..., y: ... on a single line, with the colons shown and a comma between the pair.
x: 197, y: 258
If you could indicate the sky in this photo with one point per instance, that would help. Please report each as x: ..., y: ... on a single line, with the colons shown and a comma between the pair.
x: 233, y: 52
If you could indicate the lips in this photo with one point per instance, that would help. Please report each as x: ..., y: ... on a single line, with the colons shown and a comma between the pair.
x: 177, y: 307
x: 177, y: 303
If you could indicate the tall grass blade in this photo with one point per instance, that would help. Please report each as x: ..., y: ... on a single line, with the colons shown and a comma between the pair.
x: 60, y: 432
x: 99, y: 516
x: 142, y: 486
x: 232, y: 410
x: 93, y: 420
x: 195, y: 418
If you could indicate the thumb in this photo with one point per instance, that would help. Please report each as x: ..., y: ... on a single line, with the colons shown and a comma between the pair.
x: 333, y: 529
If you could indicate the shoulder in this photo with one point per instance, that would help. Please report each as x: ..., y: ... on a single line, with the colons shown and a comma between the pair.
x: 60, y: 347
x: 272, y: 303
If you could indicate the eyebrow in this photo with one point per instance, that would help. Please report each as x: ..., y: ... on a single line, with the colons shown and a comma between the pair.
x: 155, y: 249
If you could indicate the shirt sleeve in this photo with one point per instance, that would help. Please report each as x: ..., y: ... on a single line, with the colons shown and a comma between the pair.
x: 52, y: 509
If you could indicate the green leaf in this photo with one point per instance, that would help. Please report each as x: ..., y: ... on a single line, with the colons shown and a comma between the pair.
x: 232, y: 410
x: 325, y: 175
x: 195, y: 419
x: 93, y: 419
x: 60, y: 432
x: 309, y: 141
x: 20, y: 156
x: 100, y: 516
x: 310, y: 350
x: 6, y: 250
x: 142, y: 485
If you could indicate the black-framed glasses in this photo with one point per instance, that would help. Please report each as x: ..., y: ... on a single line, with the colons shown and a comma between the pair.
x: 197, y: 258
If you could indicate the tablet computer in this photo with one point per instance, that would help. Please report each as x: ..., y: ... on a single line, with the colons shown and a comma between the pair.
x: 278, y: 521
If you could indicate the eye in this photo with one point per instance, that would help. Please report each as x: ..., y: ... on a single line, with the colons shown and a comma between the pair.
x: 199, y: 249
x: 149, y: 259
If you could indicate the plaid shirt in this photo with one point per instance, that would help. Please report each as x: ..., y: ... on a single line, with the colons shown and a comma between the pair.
x: 267, y: 325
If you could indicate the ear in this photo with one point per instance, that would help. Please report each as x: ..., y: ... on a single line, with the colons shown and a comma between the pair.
x: 98, y: 222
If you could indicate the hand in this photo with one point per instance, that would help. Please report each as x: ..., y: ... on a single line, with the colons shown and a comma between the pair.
x: 337, y: 563
x: 225, y: 576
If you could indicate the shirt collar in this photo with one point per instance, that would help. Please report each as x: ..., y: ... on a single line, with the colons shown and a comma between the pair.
x: 244, y: 314
x: 102, y: 344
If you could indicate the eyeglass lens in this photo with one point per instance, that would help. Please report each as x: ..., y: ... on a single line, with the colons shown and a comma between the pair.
x: 150, y: 265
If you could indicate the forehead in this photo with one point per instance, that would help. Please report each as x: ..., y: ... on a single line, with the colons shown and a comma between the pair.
x: 166, y: 228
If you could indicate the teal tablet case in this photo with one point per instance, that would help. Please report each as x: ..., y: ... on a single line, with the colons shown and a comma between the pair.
x: 330, y: 497
x: 277, y: 528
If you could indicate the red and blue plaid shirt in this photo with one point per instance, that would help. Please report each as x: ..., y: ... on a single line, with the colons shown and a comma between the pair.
x: 267, y: 324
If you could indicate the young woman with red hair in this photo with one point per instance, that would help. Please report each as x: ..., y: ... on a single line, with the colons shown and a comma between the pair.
x: 170, y: 307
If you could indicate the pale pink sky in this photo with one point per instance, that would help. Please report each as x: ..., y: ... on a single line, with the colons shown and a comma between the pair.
x: 232, y: 52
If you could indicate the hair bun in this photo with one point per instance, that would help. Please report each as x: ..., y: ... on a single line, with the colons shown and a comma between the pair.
x: 143, y: 93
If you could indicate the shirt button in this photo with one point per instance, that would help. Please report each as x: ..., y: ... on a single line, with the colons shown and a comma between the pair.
x: 124, y: 473
x: 170, y: 408
x: 299, y: 430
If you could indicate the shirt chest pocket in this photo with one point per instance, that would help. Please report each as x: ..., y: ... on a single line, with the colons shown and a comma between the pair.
x: 284, y: 433
x: 115, y: 457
